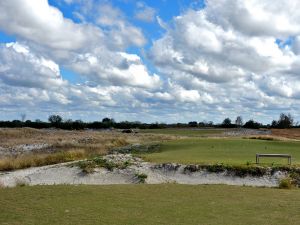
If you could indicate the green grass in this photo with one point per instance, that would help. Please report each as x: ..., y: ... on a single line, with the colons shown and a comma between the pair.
x: 185, y: 132
x: 149, y: 204
x: 227, y: 151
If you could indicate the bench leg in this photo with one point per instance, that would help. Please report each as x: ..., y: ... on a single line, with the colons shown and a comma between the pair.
x: 257, y: 160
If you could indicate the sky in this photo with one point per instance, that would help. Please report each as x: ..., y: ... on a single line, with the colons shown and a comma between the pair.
x: 150, y: 61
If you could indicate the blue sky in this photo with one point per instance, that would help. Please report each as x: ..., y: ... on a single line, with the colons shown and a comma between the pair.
x: 165, y: 61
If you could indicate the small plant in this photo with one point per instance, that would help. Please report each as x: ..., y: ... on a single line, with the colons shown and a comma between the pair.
x: 285, y: 183
x: 86, y: 166
x: 141, y: 177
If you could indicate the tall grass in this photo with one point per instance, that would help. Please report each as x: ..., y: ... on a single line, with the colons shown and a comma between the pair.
x: 34, y: 160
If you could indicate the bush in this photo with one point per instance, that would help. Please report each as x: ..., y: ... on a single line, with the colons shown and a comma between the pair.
x: 141, y: 177
x: 285, y: 183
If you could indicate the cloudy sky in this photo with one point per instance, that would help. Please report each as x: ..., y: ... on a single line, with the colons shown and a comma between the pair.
x: 164, y: 60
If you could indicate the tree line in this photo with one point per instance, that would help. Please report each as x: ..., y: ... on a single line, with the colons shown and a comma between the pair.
x: 56, y: 121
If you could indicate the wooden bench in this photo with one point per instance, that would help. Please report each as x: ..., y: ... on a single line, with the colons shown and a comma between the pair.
x: 289, y: 157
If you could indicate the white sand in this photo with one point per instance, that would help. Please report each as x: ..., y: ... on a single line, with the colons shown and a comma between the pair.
x: 66, y: 174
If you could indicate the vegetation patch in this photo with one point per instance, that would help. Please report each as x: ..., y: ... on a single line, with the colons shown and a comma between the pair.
x: 244, y: 170
x: 265, y: 138
x: 141, y: 177
x: 89, y: 166
x: 286, y: 183
x: 240, y: 171
x: 34, y: 160
x: 137, y: 148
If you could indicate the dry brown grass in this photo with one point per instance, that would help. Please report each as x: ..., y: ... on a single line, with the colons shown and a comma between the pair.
x: 33, y: 160
x: 63, y: 146
x: 287, y: 133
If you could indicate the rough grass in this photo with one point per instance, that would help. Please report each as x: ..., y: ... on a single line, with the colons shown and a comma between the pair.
x: 227, y: 151
x: 25, y: 161
x: 293, y: 133
x: 149, y: 204
x: 62, y: 145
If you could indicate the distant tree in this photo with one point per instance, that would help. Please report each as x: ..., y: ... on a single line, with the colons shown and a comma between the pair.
x: 274, y: 124
x: 108, y: 120
x: 193, y: 124
x: 285, y: 121
x: 78, y: 125
x: 227, y: 123
x: 239, y: 121
x: 252, y: 124
x: 55, y: 119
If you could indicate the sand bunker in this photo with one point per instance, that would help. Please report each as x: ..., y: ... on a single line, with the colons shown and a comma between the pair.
x: 70, y: 173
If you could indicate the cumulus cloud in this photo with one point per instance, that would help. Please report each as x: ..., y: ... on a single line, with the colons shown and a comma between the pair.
x: 39, y: 22
x: 255, y: 17
x: 19, y: 67
x: 118, y: 68
x: 232, y: 56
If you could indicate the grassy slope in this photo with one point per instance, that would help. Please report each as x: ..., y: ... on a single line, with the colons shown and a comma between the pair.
x: 231, y: 151
x: 149, y: 204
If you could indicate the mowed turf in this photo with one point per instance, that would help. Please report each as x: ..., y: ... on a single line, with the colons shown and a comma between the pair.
x: 149, y: 204
x: 224, y: 150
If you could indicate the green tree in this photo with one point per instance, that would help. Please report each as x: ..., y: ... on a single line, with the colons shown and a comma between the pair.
x: 55, y: 119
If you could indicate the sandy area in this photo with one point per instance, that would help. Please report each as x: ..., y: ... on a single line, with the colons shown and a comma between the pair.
x: 68, y: 173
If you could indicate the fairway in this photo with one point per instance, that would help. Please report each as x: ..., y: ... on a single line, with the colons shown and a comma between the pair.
x: 228, y: 151
x: 149, y: 204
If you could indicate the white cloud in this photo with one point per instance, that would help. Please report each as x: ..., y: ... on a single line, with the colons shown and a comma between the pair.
x: 145, y: 13
x: 39, y: 22
x: 255, y: 17
x: 232, y: 61
x: 220, y: 61
x: 115, y: 68
x: 19, y: 67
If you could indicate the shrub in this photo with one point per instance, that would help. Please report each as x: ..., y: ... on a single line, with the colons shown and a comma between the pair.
x: 285, y: 183
x: 141, y: 177
x: 86, y: 166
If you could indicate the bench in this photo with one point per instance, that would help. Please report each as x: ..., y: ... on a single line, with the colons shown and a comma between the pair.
x: 289, y: 157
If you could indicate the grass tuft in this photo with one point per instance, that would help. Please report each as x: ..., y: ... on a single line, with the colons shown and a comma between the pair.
x: 285, y: 183
x: 89, y: 166
x: 141, y: 177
